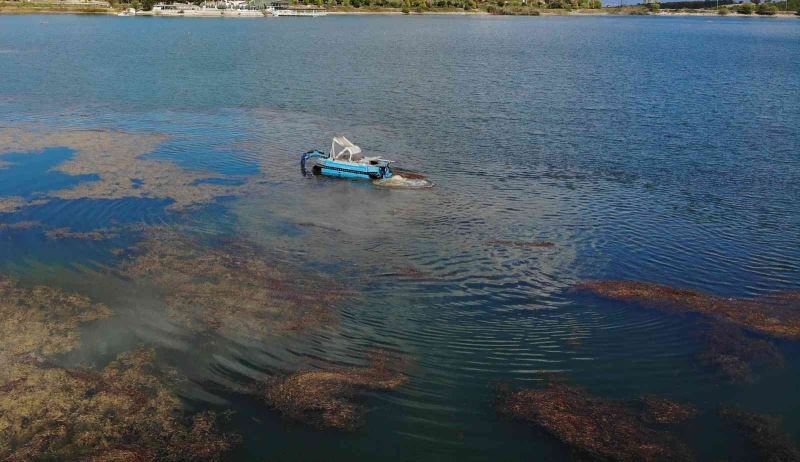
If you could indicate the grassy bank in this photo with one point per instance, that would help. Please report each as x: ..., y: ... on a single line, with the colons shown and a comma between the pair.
x: 51, y: 8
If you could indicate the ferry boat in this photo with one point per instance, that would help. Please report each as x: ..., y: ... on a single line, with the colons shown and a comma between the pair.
x: 345, y: 161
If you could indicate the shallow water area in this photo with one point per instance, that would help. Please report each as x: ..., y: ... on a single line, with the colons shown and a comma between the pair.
x: 164, y: 183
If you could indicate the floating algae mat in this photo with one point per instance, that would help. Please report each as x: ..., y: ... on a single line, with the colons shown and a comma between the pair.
x: 327, y: 398
x: 125, y: 411
x: 597, y: 428
x: 114, y: 166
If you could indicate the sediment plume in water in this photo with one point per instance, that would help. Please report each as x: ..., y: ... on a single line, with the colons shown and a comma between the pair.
x: 405, y: 180
x: 328, y: 398
x: 118, y: 159
x: 776, y: 315
x: 598, y: 428
x: 763, y: 433
x: 232, y: 287
x: 47, y: 412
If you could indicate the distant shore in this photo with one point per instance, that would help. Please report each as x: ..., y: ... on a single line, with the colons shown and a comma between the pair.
x: 12, y: 8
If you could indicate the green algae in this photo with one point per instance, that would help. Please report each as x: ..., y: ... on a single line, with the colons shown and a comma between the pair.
x: 328, y: 398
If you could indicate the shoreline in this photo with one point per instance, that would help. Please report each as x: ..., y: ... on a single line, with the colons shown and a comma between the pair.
x: 25, y: 8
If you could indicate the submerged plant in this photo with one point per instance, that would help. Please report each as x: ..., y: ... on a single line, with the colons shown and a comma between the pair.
x: 19, y: 226
x: 735, y: 354
x: 776, y: 315
x: 49, y: 412
x: 124, y: 412
x: 67, y: 233
x: 763, y: 434
x: 598, y: 428
x: 328, y: 398
x: 232, y: 286
x: 41, y: 320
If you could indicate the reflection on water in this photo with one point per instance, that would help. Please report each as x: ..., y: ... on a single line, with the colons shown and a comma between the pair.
x: 605, y: 149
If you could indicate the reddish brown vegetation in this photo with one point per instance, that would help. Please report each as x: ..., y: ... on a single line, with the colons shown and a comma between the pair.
x: 764, y: 434
x: 233, y: 287
x: 663, y: 411
x: 735, y: 354
x: 48, y: 412
x: 599, y: 428
x: 328, y: 398
x: 67, y: 233
x: 776, y: 315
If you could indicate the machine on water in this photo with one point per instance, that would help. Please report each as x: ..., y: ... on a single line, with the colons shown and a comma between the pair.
x: 345, y: 161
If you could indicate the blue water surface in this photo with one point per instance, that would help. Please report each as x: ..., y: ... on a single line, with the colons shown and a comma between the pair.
x: 661, y: 149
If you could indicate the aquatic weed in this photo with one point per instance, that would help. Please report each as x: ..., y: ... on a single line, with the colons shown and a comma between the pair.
x: 776, y: 315
x: 232, y: 286
x: 327, y: 398
x: 117, y: 158
x: 734, y: 353
x: 764, y: 434
x: 595, y: 427
x: 123, y: 412
x: 47, y: 412
x: 67, y: 233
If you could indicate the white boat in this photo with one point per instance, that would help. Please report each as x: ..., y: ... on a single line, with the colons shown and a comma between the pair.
x: 128, y: 12
x: 308, y: 11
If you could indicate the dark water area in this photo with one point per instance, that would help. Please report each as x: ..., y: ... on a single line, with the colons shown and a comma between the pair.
x: 643, y: 148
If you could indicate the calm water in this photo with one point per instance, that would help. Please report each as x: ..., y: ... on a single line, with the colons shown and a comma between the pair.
x: 656, y: 149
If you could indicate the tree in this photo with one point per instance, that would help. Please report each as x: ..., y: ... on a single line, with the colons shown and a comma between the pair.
x: 767, y: 9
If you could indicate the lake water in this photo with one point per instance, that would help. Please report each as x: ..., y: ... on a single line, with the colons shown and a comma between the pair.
x: 644, y: 148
